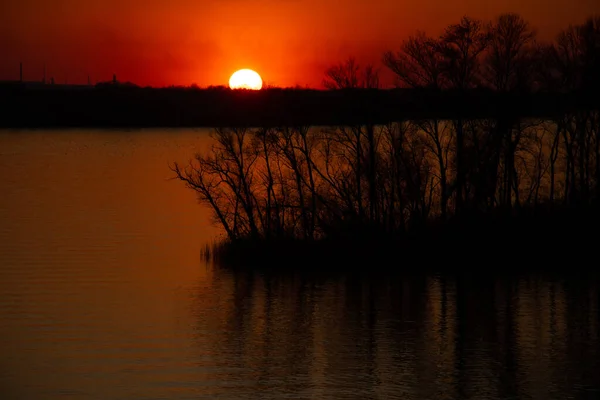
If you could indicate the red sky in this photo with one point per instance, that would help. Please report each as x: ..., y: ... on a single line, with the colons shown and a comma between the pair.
x: 289, y: 42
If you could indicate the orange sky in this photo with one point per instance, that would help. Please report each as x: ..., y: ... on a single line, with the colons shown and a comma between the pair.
x: 289, y: 42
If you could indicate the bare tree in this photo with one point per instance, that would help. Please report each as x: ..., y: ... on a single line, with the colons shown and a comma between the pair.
x: 575, y: 59
x: 224, y: 178
x: 345, y: 75
x: 418, y: 64
x: 589, y: 34
x: 349, y: 75
x: 511, y: 41
x: 462, y: 45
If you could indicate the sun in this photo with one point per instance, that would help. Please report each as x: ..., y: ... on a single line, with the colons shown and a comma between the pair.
x: 245, y: 79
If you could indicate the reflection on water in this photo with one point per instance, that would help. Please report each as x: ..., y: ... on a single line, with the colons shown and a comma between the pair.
x: 409, y: 337
x: 103, y: 296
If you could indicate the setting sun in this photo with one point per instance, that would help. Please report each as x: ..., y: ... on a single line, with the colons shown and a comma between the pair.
x: 245, y: 79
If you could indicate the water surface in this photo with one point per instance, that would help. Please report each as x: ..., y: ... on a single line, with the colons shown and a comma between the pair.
x: 104, y: 295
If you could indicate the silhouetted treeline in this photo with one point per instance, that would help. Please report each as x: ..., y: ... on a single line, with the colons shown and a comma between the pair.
x: 474, y: 172
x: 116, y: 106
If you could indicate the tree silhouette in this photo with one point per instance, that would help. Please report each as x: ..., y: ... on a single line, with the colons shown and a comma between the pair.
x: 418, y: 64
x: 511, y: 41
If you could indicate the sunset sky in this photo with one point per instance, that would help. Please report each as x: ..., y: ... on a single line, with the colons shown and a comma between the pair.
x: 289, y: 42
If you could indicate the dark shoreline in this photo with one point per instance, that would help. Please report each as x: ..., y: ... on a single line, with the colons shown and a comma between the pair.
x: 534, y: 239
x: 46, y: 106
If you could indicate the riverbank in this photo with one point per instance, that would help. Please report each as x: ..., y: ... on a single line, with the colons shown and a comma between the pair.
x: 540, y: 238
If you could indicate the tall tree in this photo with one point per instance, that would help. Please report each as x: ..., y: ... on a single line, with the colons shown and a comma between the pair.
x: 418, y: 64
x: 511, y: 41
x: 349, y: 75
x: 462, y: 45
